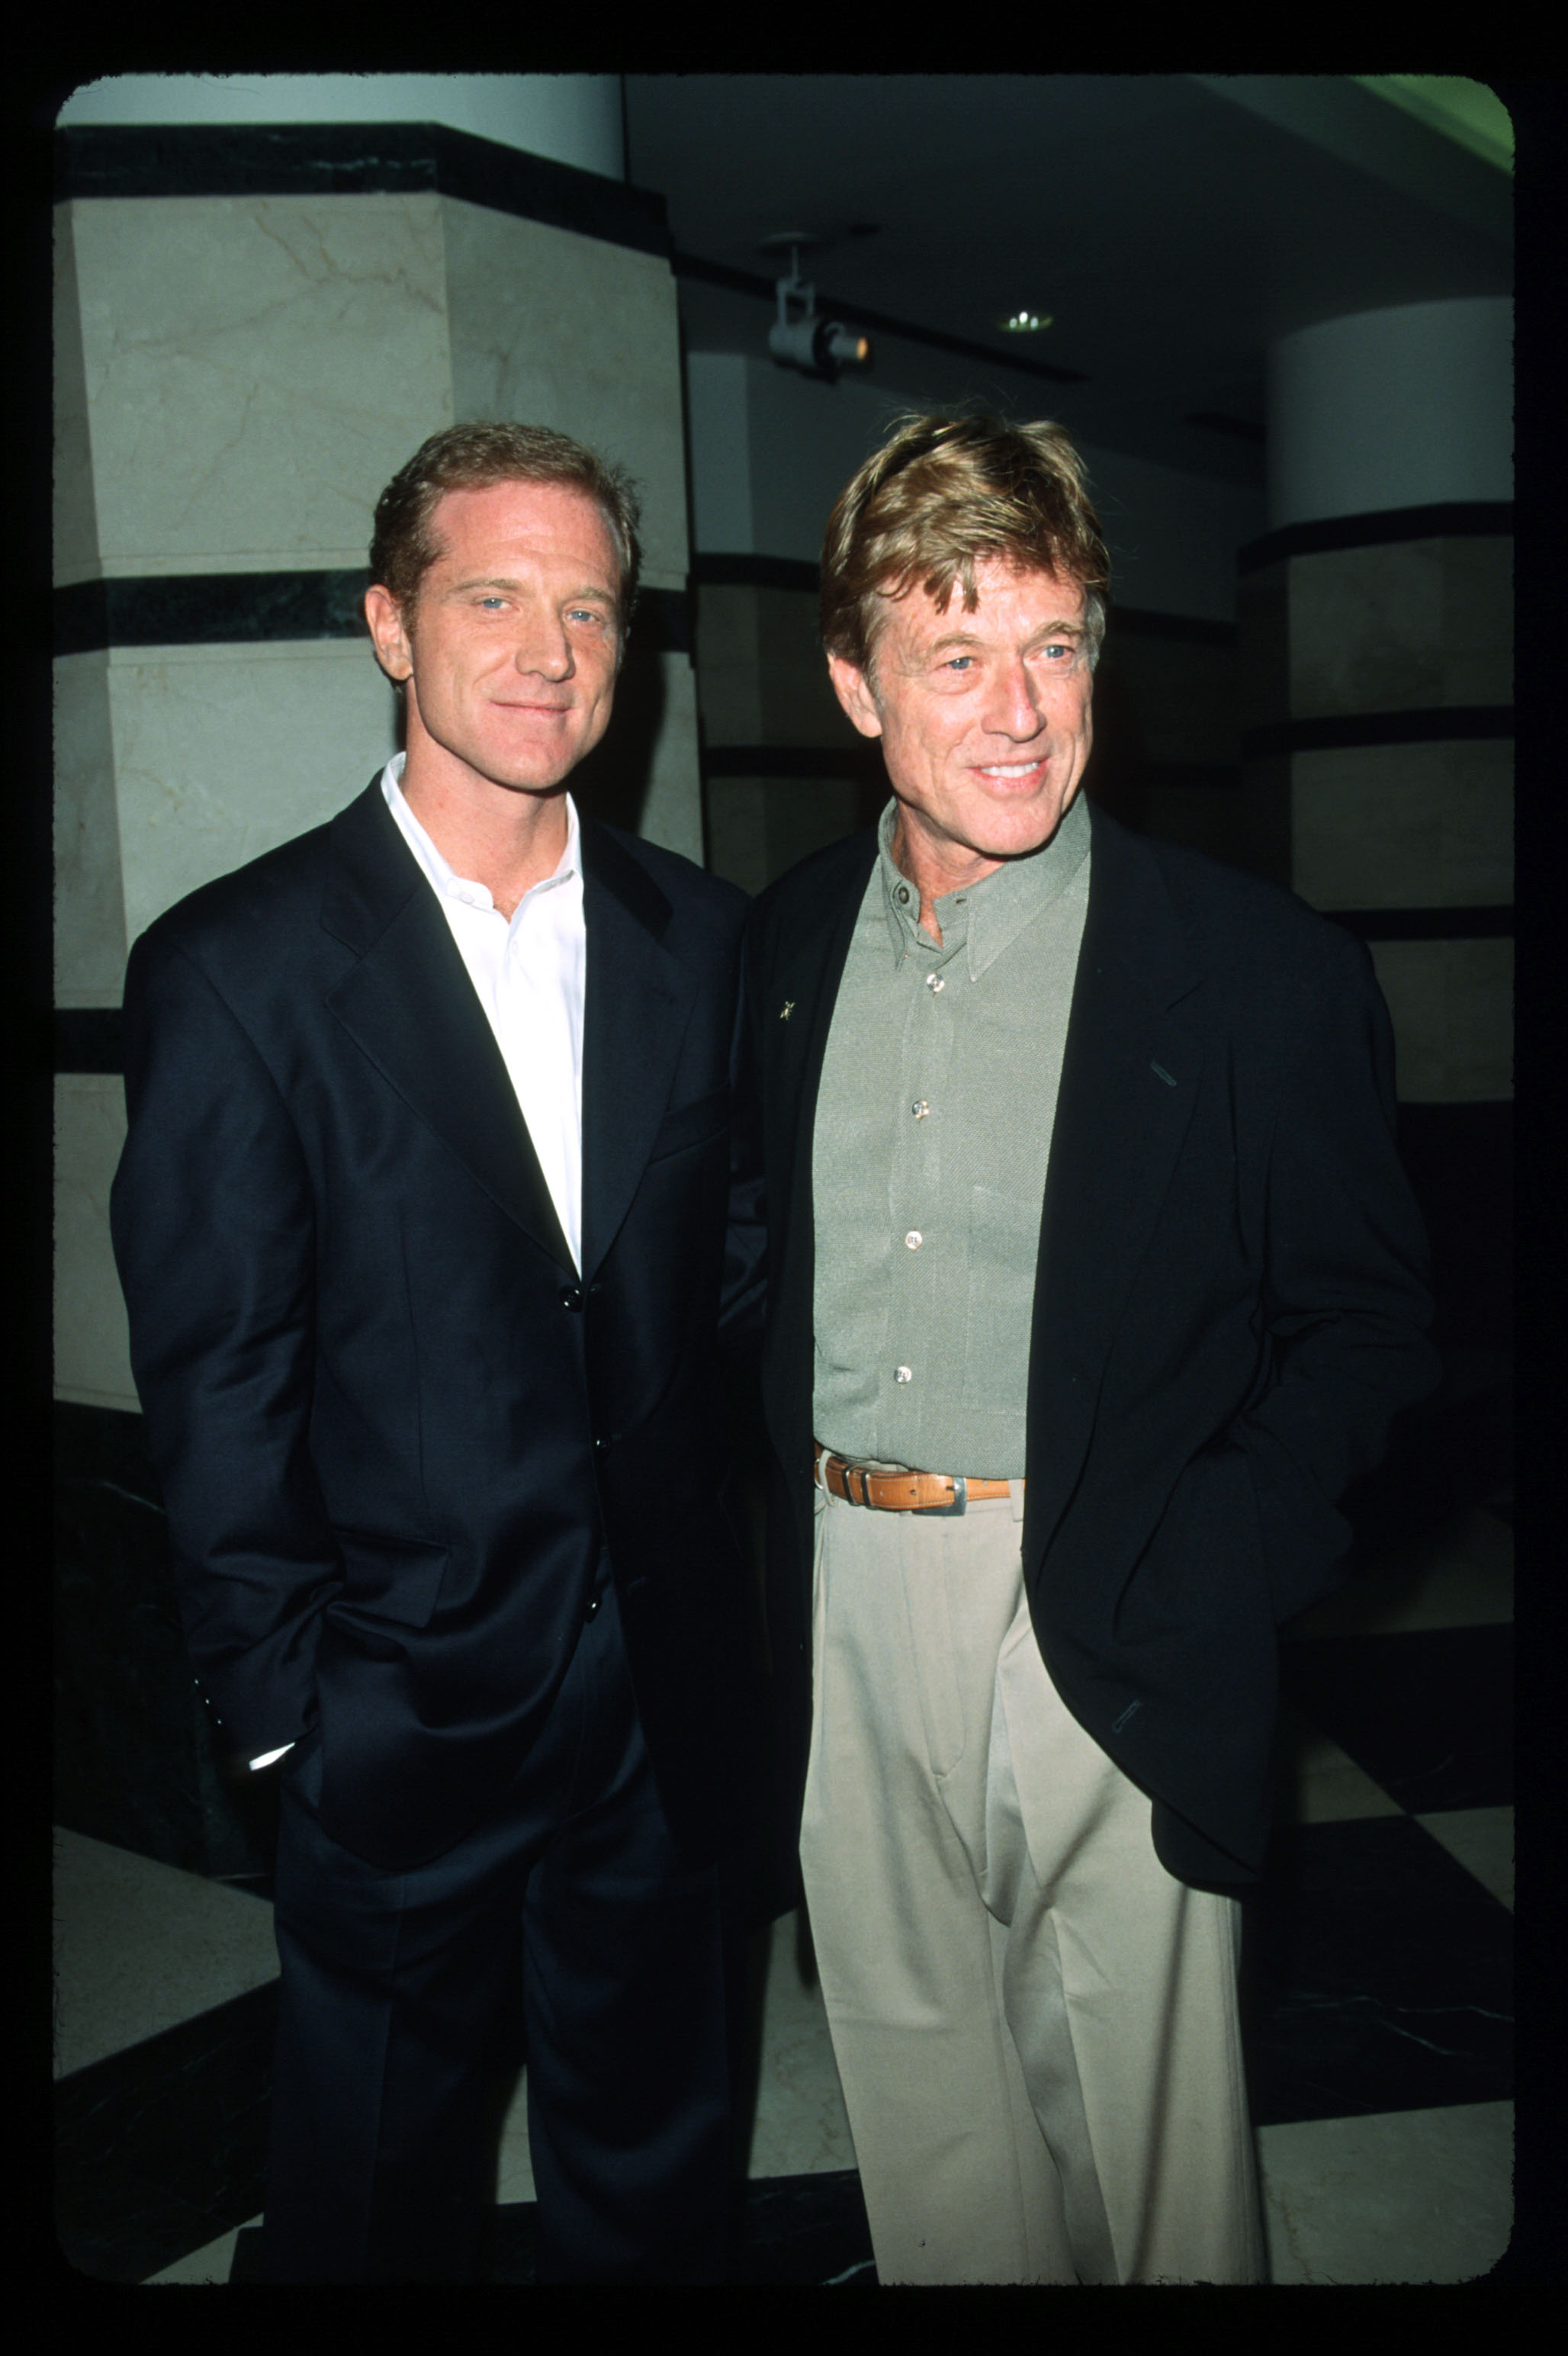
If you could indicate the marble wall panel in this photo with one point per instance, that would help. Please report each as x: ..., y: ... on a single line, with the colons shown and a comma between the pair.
x: 798, y: 705
x: 1451, y: 1003
x: 1242, y: 820
x: 1366, y: 629
x: 646, y: 775
x: 256, y: 368
x: 1403, y: 826
x: 1263, y: 636
x: 558, y: 329
x: 1211, y: 819
x: 92, y: 1350
x: 728, y: 687
x: 222, y: 753
x: 738, y: 830
x: 1178, y: 699
x: 671, y: 811
x: 75, y: 512
x: 805, y: 814
x: 90, y: 904
x: 758, y: 828
x: 1478, y: 621
x: 762, y: 676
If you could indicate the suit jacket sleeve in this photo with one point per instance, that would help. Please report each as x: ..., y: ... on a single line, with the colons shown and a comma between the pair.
x: 214, y: 1227
x: 1345, y: 1299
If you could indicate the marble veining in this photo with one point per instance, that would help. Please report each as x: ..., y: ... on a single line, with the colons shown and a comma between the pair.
x: 557, y: 328
x: 256, y: 367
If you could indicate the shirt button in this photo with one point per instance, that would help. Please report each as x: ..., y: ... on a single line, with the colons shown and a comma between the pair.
x: 903, y: 1374
x: 920, y: 1110
x: 914, y: 1240
x: 902, y: 895
x: 934, y: 981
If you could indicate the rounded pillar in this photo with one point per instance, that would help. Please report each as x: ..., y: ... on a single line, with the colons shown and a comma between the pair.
x: 1376, y: 638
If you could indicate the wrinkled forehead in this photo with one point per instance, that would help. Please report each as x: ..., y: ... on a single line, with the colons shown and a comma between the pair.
x: 1048, y: 597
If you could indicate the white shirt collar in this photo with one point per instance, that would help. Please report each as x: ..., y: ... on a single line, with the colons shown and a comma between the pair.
x: 441, y: 871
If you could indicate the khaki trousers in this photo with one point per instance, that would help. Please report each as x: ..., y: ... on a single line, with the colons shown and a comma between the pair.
x: 1035, y: 2025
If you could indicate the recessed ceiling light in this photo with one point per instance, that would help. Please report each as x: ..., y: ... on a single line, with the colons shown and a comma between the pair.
x: 1025, y: 323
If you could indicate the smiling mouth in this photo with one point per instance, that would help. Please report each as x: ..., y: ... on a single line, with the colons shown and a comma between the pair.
x: 1011, y: 768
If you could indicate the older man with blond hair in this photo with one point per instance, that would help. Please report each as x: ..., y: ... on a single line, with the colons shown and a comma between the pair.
x: 1093, y: 1280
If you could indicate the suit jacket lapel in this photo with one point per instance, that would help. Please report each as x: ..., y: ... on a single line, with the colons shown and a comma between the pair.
x: 1129, y: 1084
x: 410, y: 1005
x: 794, y: 1019
x: 639, y: 1002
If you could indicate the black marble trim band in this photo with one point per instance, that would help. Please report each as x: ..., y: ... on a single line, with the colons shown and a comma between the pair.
x: 354, y: 159
x: 737, y: 572
x: 720, y: 569
x: 833, y: 306
x: 161, y: 2147
x: 855, y: 761
x: 1181, y: 630
x: 1450, y: 520
x: 1425, y: 924
x: 193, y: 609
x: 89, y: 1039
x: 197, y: 609
x: 1450, y: 723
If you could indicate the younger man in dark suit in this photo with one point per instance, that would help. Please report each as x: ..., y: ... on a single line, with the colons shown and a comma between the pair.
x: 427, y: 1222
x: 1094, y: 1280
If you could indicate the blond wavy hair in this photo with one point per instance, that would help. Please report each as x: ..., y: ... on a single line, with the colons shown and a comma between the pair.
x: 941, y: 494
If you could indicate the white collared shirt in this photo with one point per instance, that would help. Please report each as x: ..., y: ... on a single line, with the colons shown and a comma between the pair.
x: 528, y: 973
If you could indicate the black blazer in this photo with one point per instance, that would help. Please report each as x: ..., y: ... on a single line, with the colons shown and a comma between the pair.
x: 396, y: 1432
x: 1230, y: 1306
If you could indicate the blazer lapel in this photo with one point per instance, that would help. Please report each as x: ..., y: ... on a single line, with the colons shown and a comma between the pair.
x: 795, y: 1018
x: 1129, y: 1084
x: 637, y: 1004
x: 408, y: 1004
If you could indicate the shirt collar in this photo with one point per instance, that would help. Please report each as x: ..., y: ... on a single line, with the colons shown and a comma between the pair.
x: 441, y: 871
x: 985, y: 917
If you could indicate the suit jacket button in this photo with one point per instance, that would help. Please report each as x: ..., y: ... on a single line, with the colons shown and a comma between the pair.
x: 571, y: 1296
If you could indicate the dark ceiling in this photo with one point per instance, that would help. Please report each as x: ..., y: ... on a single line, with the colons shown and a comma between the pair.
x: 1170, y: 225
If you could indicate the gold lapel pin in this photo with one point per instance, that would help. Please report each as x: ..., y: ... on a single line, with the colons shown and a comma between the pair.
x: 786, y: 1010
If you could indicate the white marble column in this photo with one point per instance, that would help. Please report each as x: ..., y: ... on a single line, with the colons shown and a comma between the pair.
x: 262, y: 308
x: 1377, y: 633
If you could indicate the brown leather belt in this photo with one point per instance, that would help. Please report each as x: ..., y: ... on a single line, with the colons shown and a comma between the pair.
x: 901, y: 1493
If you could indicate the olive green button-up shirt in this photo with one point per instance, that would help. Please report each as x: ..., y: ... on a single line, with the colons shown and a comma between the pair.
x: 929, y: 1159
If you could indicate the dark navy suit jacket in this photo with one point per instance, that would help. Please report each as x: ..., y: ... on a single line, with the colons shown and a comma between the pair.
x: 1230, y: 1306
x: 396, y: 1432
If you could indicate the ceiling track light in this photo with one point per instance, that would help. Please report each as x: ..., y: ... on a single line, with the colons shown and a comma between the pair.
x: 798, y: 337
